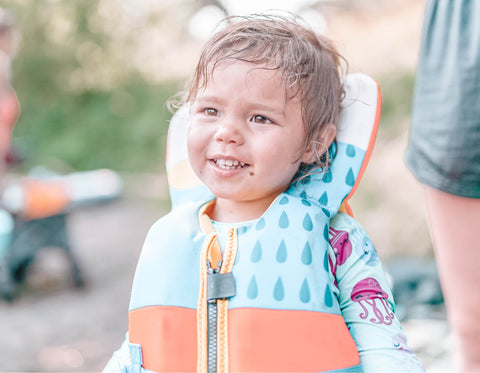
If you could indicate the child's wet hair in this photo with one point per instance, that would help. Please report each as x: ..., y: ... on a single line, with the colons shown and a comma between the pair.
x: 310, y: 66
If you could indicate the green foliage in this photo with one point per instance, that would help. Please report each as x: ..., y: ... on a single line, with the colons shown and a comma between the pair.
x: 124, y: 130
x: 81, y: 102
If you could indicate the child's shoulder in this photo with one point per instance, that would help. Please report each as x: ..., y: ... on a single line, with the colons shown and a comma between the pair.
x: 345, y: 222
x: 346, y: 226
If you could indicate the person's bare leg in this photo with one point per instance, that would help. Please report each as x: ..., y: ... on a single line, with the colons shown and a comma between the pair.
x: 454, y: 224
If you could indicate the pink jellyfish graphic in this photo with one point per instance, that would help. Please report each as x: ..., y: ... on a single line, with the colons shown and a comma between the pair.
x: 342, y: 247
x: 367, y: 293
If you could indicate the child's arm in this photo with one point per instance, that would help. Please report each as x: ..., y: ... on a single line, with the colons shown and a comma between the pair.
x: 366, y: 300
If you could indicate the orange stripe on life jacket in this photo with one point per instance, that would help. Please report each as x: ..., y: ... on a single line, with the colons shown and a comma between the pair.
x: 265, y: 340
x: 167, y: 335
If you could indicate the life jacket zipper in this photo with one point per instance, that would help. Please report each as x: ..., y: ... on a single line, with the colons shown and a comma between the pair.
x: 216, y: 287
x: 212, y: 325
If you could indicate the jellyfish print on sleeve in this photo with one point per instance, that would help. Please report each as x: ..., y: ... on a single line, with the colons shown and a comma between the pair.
x: 342, y: 247
x: 371, y: 297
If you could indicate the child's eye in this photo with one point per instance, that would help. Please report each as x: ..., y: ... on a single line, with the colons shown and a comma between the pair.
x: 210, y: 112
x: 261, y: 119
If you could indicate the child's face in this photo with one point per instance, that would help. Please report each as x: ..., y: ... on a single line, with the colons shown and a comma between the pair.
x: 246, y: 139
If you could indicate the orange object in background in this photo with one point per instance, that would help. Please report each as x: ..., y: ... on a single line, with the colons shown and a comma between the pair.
x: 44, y: 198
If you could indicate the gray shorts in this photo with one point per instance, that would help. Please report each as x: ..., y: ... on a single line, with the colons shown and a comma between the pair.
x: 444, y: 147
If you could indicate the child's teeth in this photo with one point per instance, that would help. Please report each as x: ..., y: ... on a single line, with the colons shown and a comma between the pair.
x: 229, y: 163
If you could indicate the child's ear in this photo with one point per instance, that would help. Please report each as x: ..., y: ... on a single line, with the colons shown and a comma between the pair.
x: 327, y: 135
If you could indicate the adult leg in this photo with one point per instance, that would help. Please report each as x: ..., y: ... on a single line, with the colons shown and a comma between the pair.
x: 454, y: 224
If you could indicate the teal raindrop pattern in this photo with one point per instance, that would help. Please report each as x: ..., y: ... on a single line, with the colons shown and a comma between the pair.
x: 307, y: 222
x: 281, y: 256
x: 323, y: 199
x: 325, y: 232
x: 350, y: 179
x: 305, y: 202
x: 307, y: 254
x: 242, y: 230
x: 326, y: 212
x: 325, y: 261
x: 284, y: 200
x: 252, y: 291
x: 305, y: 292
x: 283, y: 222
x: 327, y: 178
x: 328, y: 297
x: 279, y: 291
x: 289, y: 264
x: 256, y: 253
x: 350, y: 151
x: 260, y: 224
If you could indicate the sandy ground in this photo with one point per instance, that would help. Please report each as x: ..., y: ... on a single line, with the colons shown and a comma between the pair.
x: 53, y: 326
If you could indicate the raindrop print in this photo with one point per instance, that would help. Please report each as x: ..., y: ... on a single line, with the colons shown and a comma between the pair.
x: 252, y: 290
x: 260, y: 224
x: 283, y: 221
x: 242, y: 230
x: 281, y: 253
x: 325, y: 232
x: 305, y: 292
x: 307, y: 254
x: 323, y: 199
x: 307, y: 222
x: 256, y: 253
x: 326, y: 212
x: 350, y: 151
x: 328, y: 297
x: 284, y: 200
x: 306, y: 203
x: 328, y: 177
x: 278, y: 292
x: 325, y: 261
x: 350, y: 179
x: 303, y: 195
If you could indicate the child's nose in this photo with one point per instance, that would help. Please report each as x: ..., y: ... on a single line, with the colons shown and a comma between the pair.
x: 230, y: 132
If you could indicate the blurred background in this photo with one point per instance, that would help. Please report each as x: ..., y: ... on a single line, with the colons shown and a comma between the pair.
x: 92, y: 78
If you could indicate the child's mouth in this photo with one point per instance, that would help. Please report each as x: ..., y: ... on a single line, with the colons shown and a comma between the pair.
x: 229, y: 164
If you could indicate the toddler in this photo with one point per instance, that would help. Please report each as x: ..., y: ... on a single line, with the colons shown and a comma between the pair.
x: 248, y: 281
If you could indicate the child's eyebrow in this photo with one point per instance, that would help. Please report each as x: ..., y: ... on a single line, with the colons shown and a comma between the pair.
x: 271, y: 109
x: 213, y: 99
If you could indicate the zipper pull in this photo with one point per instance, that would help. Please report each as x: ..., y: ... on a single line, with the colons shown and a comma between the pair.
x: 219, y: 285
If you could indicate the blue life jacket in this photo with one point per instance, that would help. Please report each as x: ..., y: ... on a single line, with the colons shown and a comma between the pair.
x: 272, y: 300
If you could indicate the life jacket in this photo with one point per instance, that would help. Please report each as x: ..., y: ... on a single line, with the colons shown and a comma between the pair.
x: 267, y: 304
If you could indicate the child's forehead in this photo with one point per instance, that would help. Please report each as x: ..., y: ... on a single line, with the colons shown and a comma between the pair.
x: 250, y: 71
x: 244, y: 68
